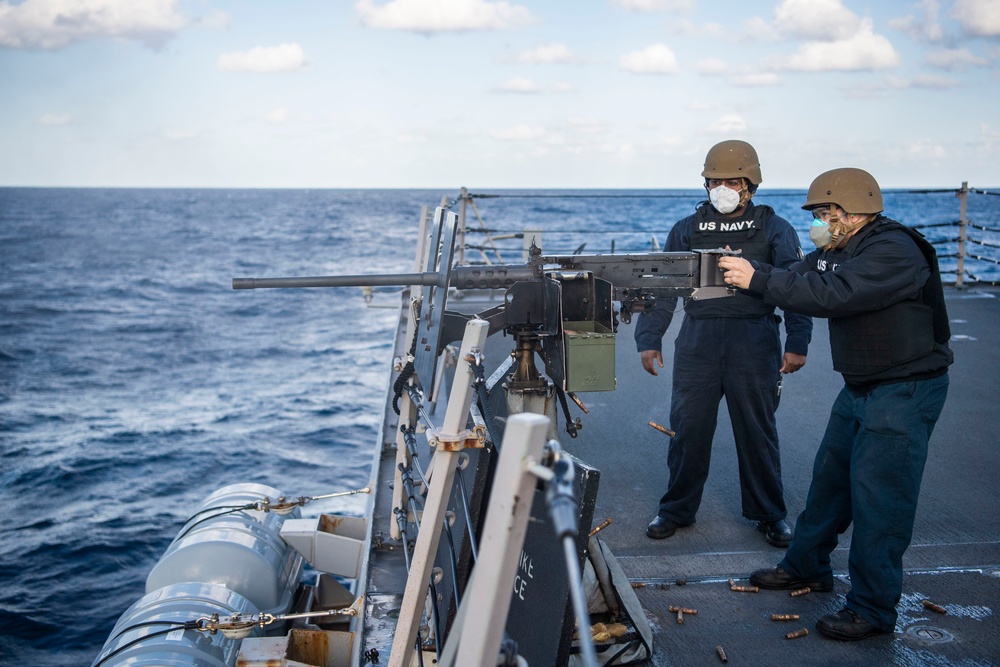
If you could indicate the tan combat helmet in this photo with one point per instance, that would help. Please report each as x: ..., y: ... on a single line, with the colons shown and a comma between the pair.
x: 733, y: 159
x: 854, y: 190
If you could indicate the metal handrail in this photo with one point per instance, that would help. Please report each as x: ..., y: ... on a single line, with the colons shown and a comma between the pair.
x: 962, y: 225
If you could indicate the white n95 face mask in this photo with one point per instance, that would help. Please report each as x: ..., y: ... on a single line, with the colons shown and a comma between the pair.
x: 724, y: 199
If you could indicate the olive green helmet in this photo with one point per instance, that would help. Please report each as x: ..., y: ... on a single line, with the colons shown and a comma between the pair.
x: 733, y: 159
x: 854, y: 190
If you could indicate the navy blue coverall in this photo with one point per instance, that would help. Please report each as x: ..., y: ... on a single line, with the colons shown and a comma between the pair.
x: 728, y: 347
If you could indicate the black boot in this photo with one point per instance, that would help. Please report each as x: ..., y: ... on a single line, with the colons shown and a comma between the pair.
x: 846, y: 625
x: 660, y: 528
x: 779, y: 580
x: 777, y: 533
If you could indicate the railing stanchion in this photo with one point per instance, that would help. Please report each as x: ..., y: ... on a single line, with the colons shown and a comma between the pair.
x: 963, y: 196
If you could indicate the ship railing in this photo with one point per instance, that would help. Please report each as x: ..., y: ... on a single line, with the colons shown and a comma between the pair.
x: 968, y: 244
x: 985, y: 237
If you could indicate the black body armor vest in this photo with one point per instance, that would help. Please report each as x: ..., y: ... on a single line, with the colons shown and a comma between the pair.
x: 896, y: 342
x: 709, y: 230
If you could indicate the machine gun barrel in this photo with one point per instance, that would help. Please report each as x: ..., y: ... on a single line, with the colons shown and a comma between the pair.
x: 462, y: 277
x: 374, y: 280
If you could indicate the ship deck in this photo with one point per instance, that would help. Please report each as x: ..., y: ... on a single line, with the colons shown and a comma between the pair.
x: 954, y: 559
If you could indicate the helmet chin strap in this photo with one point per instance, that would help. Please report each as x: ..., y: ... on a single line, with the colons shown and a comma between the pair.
x: 841, y: 228
x: 745, y: 195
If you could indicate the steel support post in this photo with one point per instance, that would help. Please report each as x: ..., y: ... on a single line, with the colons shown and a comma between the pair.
x: 438, y: 494
x: 476, y: 641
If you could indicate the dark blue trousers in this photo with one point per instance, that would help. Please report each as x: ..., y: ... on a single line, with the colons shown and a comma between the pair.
x: 868, y: 470
x: 738, y: 358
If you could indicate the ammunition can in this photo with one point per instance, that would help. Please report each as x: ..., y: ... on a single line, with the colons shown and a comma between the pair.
x: 590, y: 356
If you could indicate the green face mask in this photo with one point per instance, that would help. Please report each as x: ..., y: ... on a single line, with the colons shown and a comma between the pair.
x: 820, y: 234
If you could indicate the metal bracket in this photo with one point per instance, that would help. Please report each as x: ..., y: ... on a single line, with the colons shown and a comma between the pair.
x: 474, y: 438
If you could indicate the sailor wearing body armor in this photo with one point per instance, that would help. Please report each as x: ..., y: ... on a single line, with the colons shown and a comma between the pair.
x: 727, y: 347
x: 879, y: 284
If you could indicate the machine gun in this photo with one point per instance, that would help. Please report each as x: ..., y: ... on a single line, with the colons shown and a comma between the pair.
x: 558, y: 306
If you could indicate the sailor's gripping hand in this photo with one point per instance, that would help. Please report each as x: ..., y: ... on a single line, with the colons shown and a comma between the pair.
x: 738, y: 271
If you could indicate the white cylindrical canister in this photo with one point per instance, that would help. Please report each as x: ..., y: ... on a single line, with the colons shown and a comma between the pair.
x: 239, y: 549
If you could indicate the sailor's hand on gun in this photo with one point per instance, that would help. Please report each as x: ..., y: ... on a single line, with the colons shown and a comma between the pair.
x: 738, y: 271
x: 650, y: 358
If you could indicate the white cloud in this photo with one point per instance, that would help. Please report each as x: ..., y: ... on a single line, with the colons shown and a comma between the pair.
x: 53, y: 24
x: 934, y: 82
x: 980, y: 18
x: 277, y: 116
x: 546, y: 53
x: 587, y: 125
x: 655, y: 5
x: 655, y: 59
x: 739, y: 76
x: 518, y: 84
x: 411, y: 139
x: 896, y: 82
x: 55, y: 119
x: 712, y: 67
x: 555, y: 140
x: 623, y: 151
x: 519, y: 133
x: 687, y: 28
x: 216, y: 19
x: 989, y: 133
x: 756, y: 79
x: 863, y: 51
x: 953, y: 59
x: 822, y: 20
x: 759, y: 30
x: 920, y: 149
x: 728, y: 124
x: 282, y: 58
x: 524, y: 86
x: 924, y: 81
x: 432, y: 16
x: 927, y: 28
x: 179, y: 135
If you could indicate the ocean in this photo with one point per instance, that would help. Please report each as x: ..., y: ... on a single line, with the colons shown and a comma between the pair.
x: 134, y: 381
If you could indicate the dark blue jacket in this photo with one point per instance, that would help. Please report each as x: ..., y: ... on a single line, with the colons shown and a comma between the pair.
x: 882, y: 268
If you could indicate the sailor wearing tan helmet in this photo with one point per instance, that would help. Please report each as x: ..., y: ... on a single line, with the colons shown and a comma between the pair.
x: 879, y: 284
x: 727, y: 348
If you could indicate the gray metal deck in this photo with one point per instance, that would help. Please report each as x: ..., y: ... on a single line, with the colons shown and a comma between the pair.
x: 954, y: 559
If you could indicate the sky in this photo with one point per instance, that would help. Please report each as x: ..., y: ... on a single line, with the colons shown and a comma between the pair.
x: 501, y: 94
